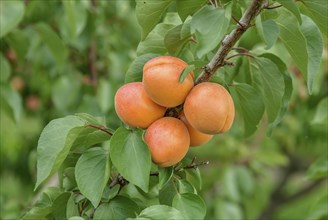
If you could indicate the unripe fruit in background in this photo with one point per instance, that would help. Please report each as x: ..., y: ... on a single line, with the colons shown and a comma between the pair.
x: 161, y: 80
x: 168, y: 141
x: 196, y: 137
x: 135, y: 108
x: 209, y: 108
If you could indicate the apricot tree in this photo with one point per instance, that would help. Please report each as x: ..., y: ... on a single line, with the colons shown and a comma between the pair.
x: 191, y: 71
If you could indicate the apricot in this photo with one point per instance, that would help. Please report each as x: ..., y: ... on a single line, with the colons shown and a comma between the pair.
x: 161, y: 80
x: 134, y: 107
x: 168, y: 141
x: 209, y: 108
x: 196, y: 137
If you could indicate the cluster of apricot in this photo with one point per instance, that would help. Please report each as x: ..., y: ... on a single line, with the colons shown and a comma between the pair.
x: 208, y: 109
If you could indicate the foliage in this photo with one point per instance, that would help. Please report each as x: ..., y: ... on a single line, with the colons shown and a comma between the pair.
x: 60, y: 58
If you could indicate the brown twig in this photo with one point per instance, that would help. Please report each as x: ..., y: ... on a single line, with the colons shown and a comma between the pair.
x: 219, y: 59
x: 101, y: 128
x: 229, y: 41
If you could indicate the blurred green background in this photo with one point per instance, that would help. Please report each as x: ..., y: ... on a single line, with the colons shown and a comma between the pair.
x: 63, y: 57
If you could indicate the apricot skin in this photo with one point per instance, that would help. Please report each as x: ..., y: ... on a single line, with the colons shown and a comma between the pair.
x: 209, y: 108
x: 161, y: 80
x: 196, y: 137
x: 168, y: 141
x: 134, y: 107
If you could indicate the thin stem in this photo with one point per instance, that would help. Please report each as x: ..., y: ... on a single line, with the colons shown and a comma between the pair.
x: 240, y: 54
x: 241, y: 48
x: 100, y: 128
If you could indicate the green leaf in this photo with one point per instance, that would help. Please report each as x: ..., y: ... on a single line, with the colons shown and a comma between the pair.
x: 105, y: 95
x: 154, y: 42
x: 119, y: 208
x: 72, y: 207
x: 92, y: 165
x: 89, y: 119
x: 11, y: 102
x: 319, y: 210
x: 76, y: 218
x: 269, y: 80
x: 172, y: 18
x: 184, y: 186
x: 288, y: 89
x: 294, y: 40
x: 59, y: 206
x: 149, y: 13
x: 165, y: 175
x: 292, y: 7
x: 228, y: 210
x: 11, y: 13
x: 131, y: 156
x: 4, y: 68
x: 185, y: 72
x: 321, y: 114
x: 167, y: 193
x: 314, y: 46
x: 17, y: 39
x: 317, y: 10
x: 188, y: 7
x: 190, y: 205
x: 76, y: 17
x: 194, y: 177
x: 210, y: 25
x: 69, y: 182
x: 110, y: 192
x: 176, y: 37
x: 268, y: 31
x: 245, y: 181
x: 160, y: 212
x: 43, y: 207
x: 319, y: 168
x: 54, y: 144
x: 230, y: 184
x: 53, y: 42
x: 66, y: 93
x: 251, y: 105
x: 134, y: 73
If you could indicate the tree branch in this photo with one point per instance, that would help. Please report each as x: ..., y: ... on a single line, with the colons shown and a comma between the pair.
x: 227, y: 44
x: 229, y: 41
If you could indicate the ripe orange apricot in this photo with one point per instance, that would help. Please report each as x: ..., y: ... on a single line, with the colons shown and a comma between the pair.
x: 209, y: 108
x: 135, y: 108
x: 161, y: 80
x: 168, y: 141
x: 196, y: 137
